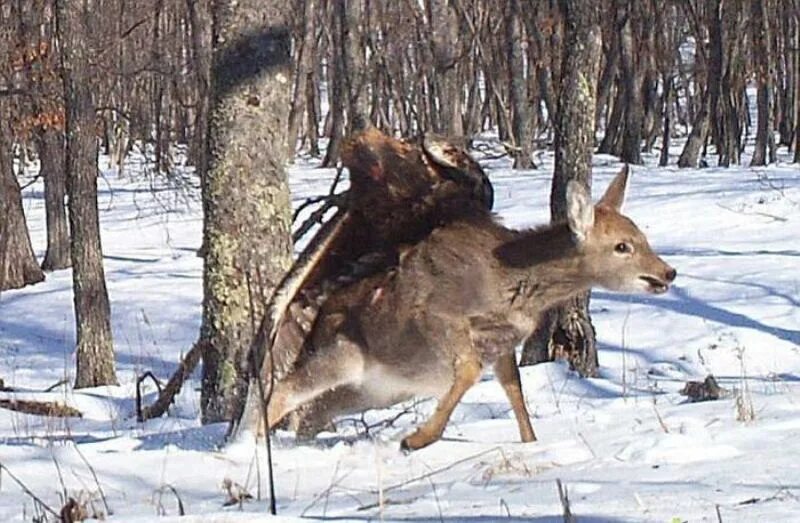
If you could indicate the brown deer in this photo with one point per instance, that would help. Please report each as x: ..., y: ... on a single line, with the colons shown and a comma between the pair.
x: 461, y: 301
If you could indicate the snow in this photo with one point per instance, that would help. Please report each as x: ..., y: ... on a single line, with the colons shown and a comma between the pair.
x: 626, y: 445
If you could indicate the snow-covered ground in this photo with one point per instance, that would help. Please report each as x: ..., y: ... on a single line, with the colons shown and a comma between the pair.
x: 626, y: 446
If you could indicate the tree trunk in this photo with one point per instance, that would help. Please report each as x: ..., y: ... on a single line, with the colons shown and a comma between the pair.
x: 336, y: 93
x: 631, y: 80
x: 95, y: 350
x: 200, y: 21
x: 762, y: 60
x: 247, y: 208
x: 518, y: 95
x: 18, y: 266
x: 354, y: 67
x: 52, y: 163
x: 666, y: 115
x: 569, y: 328
x: 444, y: 22
x: 305, y: 65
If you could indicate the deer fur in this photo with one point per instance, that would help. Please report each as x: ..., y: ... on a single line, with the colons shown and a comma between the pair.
x: 459, y: 302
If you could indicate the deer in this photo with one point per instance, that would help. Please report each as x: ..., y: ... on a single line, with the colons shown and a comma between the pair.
x: 458, y: 303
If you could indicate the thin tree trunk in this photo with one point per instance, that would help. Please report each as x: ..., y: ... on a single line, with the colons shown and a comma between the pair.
x: 669, y: 89
x: 18, y: 266
x: 336, y: 93
x: 95, y: 349
x: 304, y: 69
x: 446, y: 32
x: 762, y: 59
x: 518, y: 96
x: 631, y: 80
x: 52, y: 163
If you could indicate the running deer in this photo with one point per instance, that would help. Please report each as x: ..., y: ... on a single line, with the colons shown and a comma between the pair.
x: 461, y: 301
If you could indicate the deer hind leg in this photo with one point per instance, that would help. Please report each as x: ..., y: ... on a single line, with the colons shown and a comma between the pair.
x: 339, y: 364
x: 467, y: 373
x: 507, y: 374
x: 319, y: 414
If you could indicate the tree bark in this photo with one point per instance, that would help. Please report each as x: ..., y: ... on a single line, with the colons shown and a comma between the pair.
x: 247, y: 207
x: 518, y: 92
x: 95, y: 350
x: 444, y: 22
x: 18, y: 266
x: 337, y: 90
x: 52, y: 161
x: 569, y: 328
x: 631, y: 80
x: 762, y: 59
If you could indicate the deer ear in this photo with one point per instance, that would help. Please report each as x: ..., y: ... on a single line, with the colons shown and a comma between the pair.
x: 580, y: 211
x: 615, y: 194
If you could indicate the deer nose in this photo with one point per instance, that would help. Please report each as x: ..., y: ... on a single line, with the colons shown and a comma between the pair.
x: 670, y: 274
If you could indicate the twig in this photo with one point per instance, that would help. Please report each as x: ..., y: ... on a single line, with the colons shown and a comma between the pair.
x: 440, y: 470
x: 564, y: 497
x: 755, y: 213
x: 139, y: 382
x: 265, y: 398
x: 172, y: 489
x: 33, y: 180
x: 60, y: 476
x: 94, y: 475
x: 659, y: 418
x: 28, y: 491
x: 56, y: 385
x: 436, y: 497
x: 331, y: 201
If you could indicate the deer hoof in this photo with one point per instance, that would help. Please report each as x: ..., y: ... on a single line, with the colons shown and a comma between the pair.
x: 415, y: 441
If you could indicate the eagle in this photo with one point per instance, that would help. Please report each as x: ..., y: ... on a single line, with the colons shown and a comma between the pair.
x: 400, y: 191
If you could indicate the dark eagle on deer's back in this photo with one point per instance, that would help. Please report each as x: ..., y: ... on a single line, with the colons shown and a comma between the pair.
x: 399, y: 192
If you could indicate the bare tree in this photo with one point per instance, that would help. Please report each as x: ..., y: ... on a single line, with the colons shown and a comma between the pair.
x: 245, y: 192
x: 18, y: 265
x: 762, y: 59
x: 52, y: 165
x: 95, y: 349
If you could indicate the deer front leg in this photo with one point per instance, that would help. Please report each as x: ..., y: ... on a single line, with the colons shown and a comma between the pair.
x: 507, y: 374
x: 467, y: 373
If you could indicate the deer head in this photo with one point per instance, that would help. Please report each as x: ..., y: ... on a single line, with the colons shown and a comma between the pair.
x: 613, y: 251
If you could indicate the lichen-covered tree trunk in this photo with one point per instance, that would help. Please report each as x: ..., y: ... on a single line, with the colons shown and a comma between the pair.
x: 18, y: 265
x: 95, y: 349
x: 568, y: 329
x: 52, y: 164
x: 247, y: 207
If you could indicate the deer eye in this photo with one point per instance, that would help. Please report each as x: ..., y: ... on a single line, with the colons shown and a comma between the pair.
x: 623, y: 248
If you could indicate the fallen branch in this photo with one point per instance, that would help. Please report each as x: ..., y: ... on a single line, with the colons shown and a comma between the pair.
x: 41, y: 408
x: 173, y: 386
x: 139, y: 382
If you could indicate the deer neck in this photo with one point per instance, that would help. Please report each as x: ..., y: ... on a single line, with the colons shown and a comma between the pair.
x: 543, y: 268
